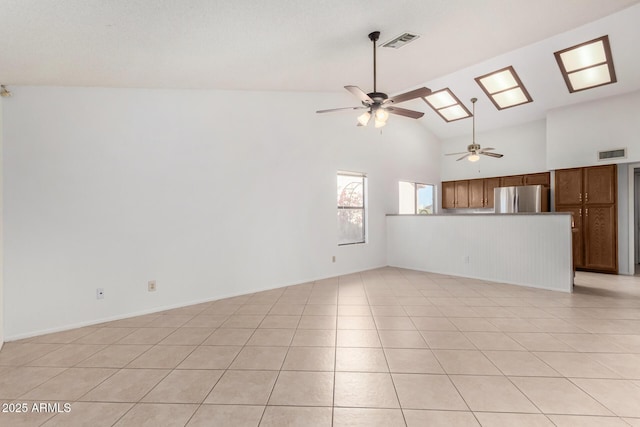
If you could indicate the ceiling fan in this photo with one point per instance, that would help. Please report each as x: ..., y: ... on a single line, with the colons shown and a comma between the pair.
x: 474, y: 150
x: 377, y: 104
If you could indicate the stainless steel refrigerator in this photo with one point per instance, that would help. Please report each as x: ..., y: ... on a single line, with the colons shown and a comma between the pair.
x: 526, y: 198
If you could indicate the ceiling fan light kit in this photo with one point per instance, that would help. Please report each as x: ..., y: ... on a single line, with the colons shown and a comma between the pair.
x: 474, y: 150
x: 378, y: 104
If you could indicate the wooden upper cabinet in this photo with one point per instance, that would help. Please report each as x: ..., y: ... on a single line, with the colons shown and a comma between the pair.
x: 569, y: 187
x: 543, y: 178
x: 600, y: 184
x: 489, y: 185
x: 462, y: 194
x: 476, y: 193
x: 511, y: 181
x: 448, y: 195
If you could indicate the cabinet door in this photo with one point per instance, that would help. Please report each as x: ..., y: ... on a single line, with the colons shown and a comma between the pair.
x: 510, y: 181
x: 600, y: 238
x: 600, y: 184
x: 569, y: 187
x: 476, y: 193
x: 489, y: 185
x: 448, y: 195
x: 577, y: 234
x: 543, y: 178
x: 462, y: 194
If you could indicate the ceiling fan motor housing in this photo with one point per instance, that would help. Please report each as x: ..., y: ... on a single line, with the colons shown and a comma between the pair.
x: 378, y: 97
x: 473, y: 147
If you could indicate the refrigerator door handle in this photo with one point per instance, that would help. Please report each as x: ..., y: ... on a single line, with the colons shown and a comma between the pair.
x: 516, y: 200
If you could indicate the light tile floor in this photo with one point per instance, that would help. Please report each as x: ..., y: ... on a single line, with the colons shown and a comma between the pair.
x: 386, y: 347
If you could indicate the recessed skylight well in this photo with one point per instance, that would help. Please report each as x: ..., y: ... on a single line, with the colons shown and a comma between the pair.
x: 447, y: 105
x: 504, y: 88
x: 587, y: 65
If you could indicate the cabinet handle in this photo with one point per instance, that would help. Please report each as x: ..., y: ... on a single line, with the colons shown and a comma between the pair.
x: 586, y: 197
x: 580, y: 197
x: 586, y: 212
x: 580, y: 213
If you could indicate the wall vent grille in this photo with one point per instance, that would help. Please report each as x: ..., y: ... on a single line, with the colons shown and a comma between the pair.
x: 401, y: 40
x: 620, y: 153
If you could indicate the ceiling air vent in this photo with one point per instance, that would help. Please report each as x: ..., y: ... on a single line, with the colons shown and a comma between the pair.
x: 620, y: 153
x: 401, y: 40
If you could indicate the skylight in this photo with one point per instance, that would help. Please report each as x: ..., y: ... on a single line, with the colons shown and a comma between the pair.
x: 504, y: 88
x: 447, y: 105
x: 587, y: 65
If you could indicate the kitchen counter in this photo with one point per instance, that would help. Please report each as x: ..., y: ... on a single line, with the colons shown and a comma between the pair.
x: 527, y: 249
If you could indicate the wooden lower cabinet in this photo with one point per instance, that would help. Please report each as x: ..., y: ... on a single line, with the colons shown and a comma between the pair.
x: 601, y: 244
x: 577, y: 234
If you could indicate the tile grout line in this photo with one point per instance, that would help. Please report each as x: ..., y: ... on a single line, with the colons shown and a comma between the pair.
x: 266, y: 405
x: 395, y: 389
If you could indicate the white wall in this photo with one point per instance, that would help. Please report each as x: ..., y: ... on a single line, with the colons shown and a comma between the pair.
x: 527, y: 250
x: 523, y: 147
x: 1, y: 235
x: 210, y: 193
x: 575, y: 134
x: 623, y: 220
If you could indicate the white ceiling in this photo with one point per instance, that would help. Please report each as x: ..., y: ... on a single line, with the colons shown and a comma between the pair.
x: 289, y: 45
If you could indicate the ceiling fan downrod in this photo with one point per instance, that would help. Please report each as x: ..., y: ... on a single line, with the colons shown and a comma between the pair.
x: 473, y: 109
x: 374, y: 36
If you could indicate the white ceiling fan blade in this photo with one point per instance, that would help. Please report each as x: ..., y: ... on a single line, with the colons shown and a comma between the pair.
x: 488, y: 149
x: 463, y: 157
x: 341, y: 109
x: 359, y: 93
x: 456, y: 154
x: 496, y: 155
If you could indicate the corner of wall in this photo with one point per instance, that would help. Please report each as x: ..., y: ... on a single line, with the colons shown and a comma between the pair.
x: 1, y: 241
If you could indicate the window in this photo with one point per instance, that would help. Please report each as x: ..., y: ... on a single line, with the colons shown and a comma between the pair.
x: 415, y: 198
x: 351, y: 208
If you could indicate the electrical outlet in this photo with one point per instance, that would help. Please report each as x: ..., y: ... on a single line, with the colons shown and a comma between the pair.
x: 333, y: 258
x: 99, y: 293
x: 152, y: 285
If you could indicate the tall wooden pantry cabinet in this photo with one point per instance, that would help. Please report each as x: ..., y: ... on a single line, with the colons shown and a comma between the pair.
x: 590, y: 194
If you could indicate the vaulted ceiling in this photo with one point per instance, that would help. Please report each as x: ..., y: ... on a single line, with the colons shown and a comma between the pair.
x: 288, y: 45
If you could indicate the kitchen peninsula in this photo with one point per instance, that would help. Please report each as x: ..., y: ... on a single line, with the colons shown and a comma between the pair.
x: 527, y: 249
